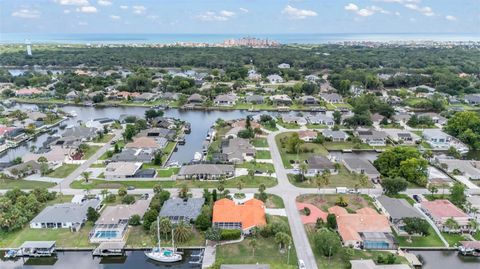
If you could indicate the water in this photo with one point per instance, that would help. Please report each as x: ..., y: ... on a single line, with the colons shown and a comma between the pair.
x: 155, y: 38
x: 447, y: 260
x: 84, y: 260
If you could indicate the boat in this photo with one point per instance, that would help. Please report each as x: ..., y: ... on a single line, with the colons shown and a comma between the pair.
x: 469, y: 248
x: 72, y: 113
x: 197, y: 156
x: 160, y: 254
x: 10, y: 254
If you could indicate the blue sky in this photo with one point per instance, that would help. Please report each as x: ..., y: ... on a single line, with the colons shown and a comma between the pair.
x: 240, y: 16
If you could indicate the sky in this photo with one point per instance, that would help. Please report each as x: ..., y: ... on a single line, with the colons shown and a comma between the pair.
x: 240, y: 16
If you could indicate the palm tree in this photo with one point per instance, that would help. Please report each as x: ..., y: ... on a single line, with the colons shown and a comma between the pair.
x: 182, y: 232
x: 473, y: 226
x: 325, y: 178
x: 251, y: 173
x: 183, y: 192
x: 240, y: 185
x: 104, y: 193
x: 303, y: 169
x: 451, y: 224
x: 86, y: 176
x: 165, y: 226
x: 363, y: 181
x: 283, y: 240
x: 253, y: 244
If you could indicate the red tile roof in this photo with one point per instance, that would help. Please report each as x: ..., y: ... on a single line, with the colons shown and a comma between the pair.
x: 250, y: 214
x: 443, y: 209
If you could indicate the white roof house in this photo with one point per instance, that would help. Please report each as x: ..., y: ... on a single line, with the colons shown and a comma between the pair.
x: 121, y: 170
x: 273, y: 79
x: 284, y: 66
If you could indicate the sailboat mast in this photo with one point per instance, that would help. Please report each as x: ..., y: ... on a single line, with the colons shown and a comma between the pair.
x: 158, y: 232
x: 173, y: 242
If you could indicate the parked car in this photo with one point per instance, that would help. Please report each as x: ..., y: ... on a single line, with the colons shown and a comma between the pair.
x: 353, y: 191
x: 341, y: 190
x: 417, y: 198
x: 301, y: 265
x: 130, y: 188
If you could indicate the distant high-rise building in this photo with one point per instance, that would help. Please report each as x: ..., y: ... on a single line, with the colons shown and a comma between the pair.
x: 29, y: 48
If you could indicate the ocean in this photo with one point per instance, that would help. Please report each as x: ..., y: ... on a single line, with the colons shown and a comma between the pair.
x: 148, y: 38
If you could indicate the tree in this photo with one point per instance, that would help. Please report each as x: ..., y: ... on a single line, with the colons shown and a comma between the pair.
x: 157, y: 188
x: 135, y: 220
x: 342, y: 201
x: 182, y: 232
x: 213, y: 234
x: 337, y: 117
x: 183, y: 191
x: 327, y: 242
x: 128, y: 199
x: 251, y: 173
x: 432, y: 189
x: 152, y: 113
x: 393, y: 186
x: 44, y: 169
x: 416, y: 226
x: 457, y: 194
x: 253, y: 244
x: 466, y: 126
x: 203, y: 222
x: 92, y: 214
x: 283, y: 240
x: 452, y: 225
x: 86, y: 176
x: 122, y: 191
x: 104, y: 193
x: 303, y: 167
x: 332, y: 221
x: 129, y: 132
x: 165, y: 226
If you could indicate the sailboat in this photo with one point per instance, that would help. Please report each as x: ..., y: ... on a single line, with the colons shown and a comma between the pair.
x: 163, y: 254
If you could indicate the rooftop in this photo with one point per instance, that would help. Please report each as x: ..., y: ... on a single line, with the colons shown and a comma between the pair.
x: 443, y: 209
x: 250, y: 214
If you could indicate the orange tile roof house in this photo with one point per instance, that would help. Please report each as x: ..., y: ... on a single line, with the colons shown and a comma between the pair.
x: 28, y: 92
x: 228, y: 215
x: 365, y: 229
x: 441, y: 210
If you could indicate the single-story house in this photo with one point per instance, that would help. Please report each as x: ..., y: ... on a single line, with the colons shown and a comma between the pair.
x: 99, y: 123
x: 177, y: 209
x: 372, y: 137
x: 402, y: 136
x: 158, y: 133
x: 255, y: 99
x: 472, y: 99
x: 206, y: 171
x: 274, y: 78
x: 195, y: 99
x: 436, y: 118
x: 281, y: 99
x: 147, y: 142
x: 321, y: 119
x: 36, y: 115
x: 228, y: 215
x: 307, y: 135
x: 134, y: 155
x: 122, y: 170
x: 396, y: 210
x: 441, y: 210
x: 319, y: 164
x: 238, y: 150
x: 28, y: 92
x: 362, y: 166
x: 437, y: 138
x: 23, y: 169
x: 225, y: 100
x: 333, y: 98
x: 284, y: 66
x: 294, y: 119
x: 467, y: 168
x: 55, y: 156
x: 312, y: 78
x: 335, y: 136
x: 72, y: 95
x: 308, y: 100
x: 146, y: 97
x: 80, y: 133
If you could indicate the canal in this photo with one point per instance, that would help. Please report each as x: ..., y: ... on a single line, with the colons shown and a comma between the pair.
x: 434, y: 259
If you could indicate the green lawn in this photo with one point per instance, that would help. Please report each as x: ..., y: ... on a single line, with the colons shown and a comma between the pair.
x: 453, y: 238
x: 316, y: 126
x: 288, y: 125
x: 345, y: 145
x: 167, y: 150
x: 63, y: 237
x: 264, y: 167
x: 231, y: 183
x: 63, y: 171
x: 90, y: 151
x: 260, y: 142
x: 138, y: 237
x: 274, y: 201
x: 324, y: 202
x: 432, y: 240
x: 289, y: 158
x: 167, y: 172
x: 343, y: 179
x: 106, y: 138
x: 24, y: 184
x: 98, y: 165
x: 263, y: 154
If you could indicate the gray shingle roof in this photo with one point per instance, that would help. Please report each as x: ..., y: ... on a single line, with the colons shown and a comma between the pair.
x: 67, y: 212
x: 210, y: 169
x: 178, y: 209
x: 398, y: 208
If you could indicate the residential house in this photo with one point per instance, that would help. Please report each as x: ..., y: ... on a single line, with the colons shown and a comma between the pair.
x: 27, y: 92
x: 113, y: 222
x: 318, y: 164
x: 321, y: 119
x: 67, y: 215
x: 437, y: 138
x: 312, y: 78
x: 286, y: 118
x: 467, y: 168
x: 472, y: 99
x: 255, y: 99
x: 401, y: 117
x: 170, y: 96
x: 195, y: 99
x: 238, y: 150
x: 225, y: 100
x: 147, y: 142
x: 253, y: 75
x: 335, y: 136
x: 281, y: 99
x: 362, y: 166
x: 273, y: 79
x: 56, y: 156
x: 370, y: 264
x: 396, y: 210
x: 206, y: 171
x: 372, y: 137
x: 36, y: 115
x: 376, y: 118
x: 441, y: 210
x: 178, y: 210
x: 228, y: 216
x: 99, y: 123
x: 23, y: 169
x: 126, y: 95
x: 134, y: 155
x: 284, y: 66
x: 422, y: 87
x: 332, y: 98
x: 72, y: 95
x: 164, y: 122
x: 121, y: 170
x: 436, y: 118
x: 402, y: 136
x: 81, y: 133
x: 145, y: 97
x: 307, y: 135
x: 308, y: 100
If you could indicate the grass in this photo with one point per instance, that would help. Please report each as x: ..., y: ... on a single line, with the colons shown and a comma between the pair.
x: 310, y: 149
x: 432, y: 197
x: 106, y: 138
x: 63, y: 237
x: 274, y: 201
x: 345, y: 145
x: 90, y: 151
x: 248, y: 182
x: 343, y: 179
x: 287, y: 125
x: 138, y: 237
x: 167, y: 172
x: 24, y: 184
x: 168, y: 150
x: 263, y: 154
x: 316, y: 126
x: 260, y: 142
x: 453, y: 238
x: 403, y: 196
x: 324, y: 202
x: 264, y: 167
x: 98, y: 165
x: 432, y: 240
x: 63, y: 171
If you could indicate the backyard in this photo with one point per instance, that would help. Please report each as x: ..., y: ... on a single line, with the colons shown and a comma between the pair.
x: 343, y: 179
x: 306, y: 150
x: 63, y: 171
x: 137, y: 237
x: 324, y: 202
x: 260, y: 142
x: 432, y: 240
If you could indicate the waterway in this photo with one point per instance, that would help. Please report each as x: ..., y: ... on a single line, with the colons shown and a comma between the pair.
x: 447, y: 260
x: 84, y: 260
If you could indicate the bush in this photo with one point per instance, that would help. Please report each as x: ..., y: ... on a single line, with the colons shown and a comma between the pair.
x: 110, y: 198
x: 230, y: 234
x: 239, y: 195
x: 128, y: 199
x: 306, y: 211
x: 135, y: 220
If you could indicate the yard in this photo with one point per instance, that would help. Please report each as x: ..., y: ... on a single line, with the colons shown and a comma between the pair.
x: 137, y: 237
x: 453, y: 238
x: 106, y: 138
x: 263, y: 154
x: 310, y: 149
x: 23, y: 184
x: 257, y: 166
x: 432, y: 240
x: 274, y: 201
x: 63, y: 171
x: 343, y: 179
x: 287, y: 125
x: 324, y: 202
x: 345, y: 145
x: 90, y: 151
x: 260, y: 142
x: 167, y: 172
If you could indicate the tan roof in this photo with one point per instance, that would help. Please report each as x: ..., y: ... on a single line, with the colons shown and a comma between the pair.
x: 112, y: 214
x: 443, y: 209
x: 122, y: 168
x: 365, y: 220
x: 143, y: 142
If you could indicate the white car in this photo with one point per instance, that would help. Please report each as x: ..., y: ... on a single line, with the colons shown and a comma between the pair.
x: 301, y: 265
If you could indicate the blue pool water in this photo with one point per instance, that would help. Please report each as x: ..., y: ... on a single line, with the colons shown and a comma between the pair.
x: 106, y: 234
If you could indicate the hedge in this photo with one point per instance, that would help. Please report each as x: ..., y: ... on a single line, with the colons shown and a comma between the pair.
x: 230, y: 234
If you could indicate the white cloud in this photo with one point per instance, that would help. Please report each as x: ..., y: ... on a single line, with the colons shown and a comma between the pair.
x: 227, y: 13
x: 152, y: 17
x: 397, y: 13
x: 73, y: 2
x: 124, y: 7
x: 451, y: 18
x: 104, y: 2
x: 399, y: 1
x: 139, y: 10
x: 365, y: 12
x: 87, y: 9
x: 114, y: 17
x: 26, y: 13
x: 82, y: 23
x: 244, y: 10
x: 427, y: 11
x: 298, y: 14
x: 66, y: 11
x: 211, y: 16
x: 351, y: 7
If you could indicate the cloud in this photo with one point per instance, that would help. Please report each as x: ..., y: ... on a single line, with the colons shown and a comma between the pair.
x: 153, y: 17
x: 399, y: 1
x: 223, y: 15
x: 67, y: 11
x: 365, y: 12
x: 87, y: 9
x: 139, y: 10
x: 227, y: 13
x: 124, y: 7
x: 298, y: 14
x: 114, y: 17
x: 451, y: 18
x: 104, y: 2
x: 427, y: 11
x: 73, y: 2
x: 351, y: 7
x: 26, y: 13
x: 82, y: 23
x: 244, y: 10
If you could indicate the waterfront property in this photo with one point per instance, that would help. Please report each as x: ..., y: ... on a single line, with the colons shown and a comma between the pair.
x: 402, y: 136
x: 23, y: 169
x: 244, y: 217
x: 134, y: 155
x: 362, y: 166
x: 467, y: 168
x: 335, y: 136
x: 319, y: 164
x: 68, y: 215
x: 206, y: 171
x: 332, y: 98
x: 396, y: 210
x: 178, y: 210
x: 372, y: 137
x: 37, y: 248
x: 122, y: 170
x: 370, y: 264
x: 441, y: 210
x: 238, y: 150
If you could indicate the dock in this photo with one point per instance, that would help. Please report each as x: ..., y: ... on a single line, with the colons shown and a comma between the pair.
x: 36, y: 249
x: 106, y: 249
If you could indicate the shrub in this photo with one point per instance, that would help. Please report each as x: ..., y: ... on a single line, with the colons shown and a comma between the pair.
x: 110, y: 198
x: 128, y: 199
x: 306, y: 211
x: 230, y: 234
x: 135, y: 220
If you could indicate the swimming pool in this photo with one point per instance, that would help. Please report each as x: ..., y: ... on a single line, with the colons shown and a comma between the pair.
x: 106, y: 234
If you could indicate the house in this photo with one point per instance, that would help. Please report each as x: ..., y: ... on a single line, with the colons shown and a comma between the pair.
x: 28, y: 92
x: 441, y: 210
x: 80, y: 133
x: 312, y: 78
x: 321, y: 119
x: 23, y: 169
x: 308, y: 100
x: 402, y: 136
x: 126, y: 95
x: 121, y: 170
x: 437, y: 138
x: 370, y: 264
x: 195, y: 99
x: 286, y: 118
x: 422, y: 88
x: 372, y: 137
x: 145, y: 97
x: 147, y: 142
x: 273, y: 79
x: 206, y: 171
x: 467, y: 168
x: 255, y: 99
x: 401, y: 117
x: 113, y: 222
x: 319, y: 164
x: 134, y: 155
x: 281, y: 99
x: 36, y: 115
x: 170, y: 96
x: 228, y: 215
x: 253, y: 75
x: 55, y: 156
x: 376, y: 118
x: 436, y: 118
x: 362, y: 166
x: 164, y: 122
x: 472, y: 99
x: 178, y: 210
x: 238, y: 150
x: 72, y: 95
x: 307, y: 135
x: 225, y: 100
x: 99, y: 123
x: 335, y: 136
x: 68, y: 215
x: 365, y: 229
x: 284, y: 66
x: 332, y: 98
x: 396, y: 210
